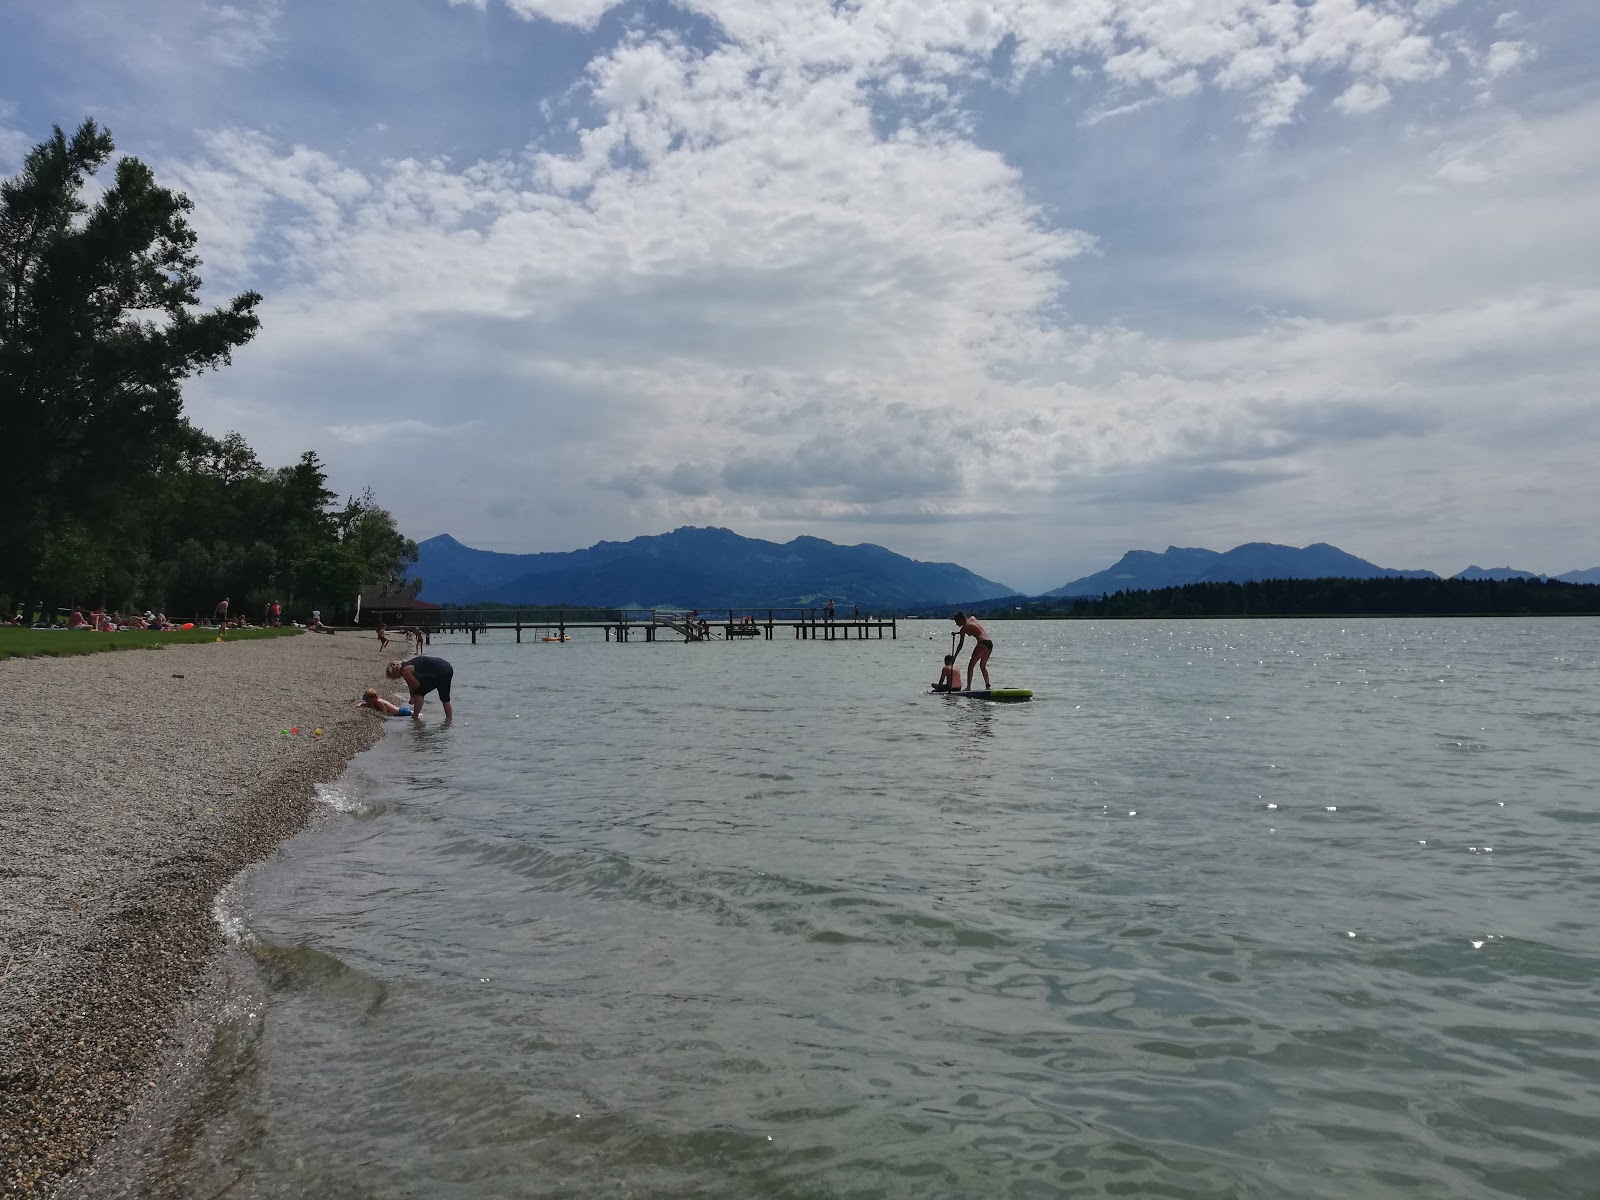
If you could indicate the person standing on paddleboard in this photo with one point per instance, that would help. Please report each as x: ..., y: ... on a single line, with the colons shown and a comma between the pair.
x: 981, y: 649
x: 424, y: 674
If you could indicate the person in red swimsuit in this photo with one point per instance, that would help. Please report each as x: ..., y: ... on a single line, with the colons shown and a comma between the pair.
x: 981, y: 649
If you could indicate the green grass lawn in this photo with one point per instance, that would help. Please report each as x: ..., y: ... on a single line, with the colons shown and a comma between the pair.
x: 29, y: 643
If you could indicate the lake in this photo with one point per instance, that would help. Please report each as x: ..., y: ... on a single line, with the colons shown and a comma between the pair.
x: 1273, y: 908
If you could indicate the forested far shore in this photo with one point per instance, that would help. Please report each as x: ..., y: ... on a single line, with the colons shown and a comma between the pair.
x: 1385, y: 597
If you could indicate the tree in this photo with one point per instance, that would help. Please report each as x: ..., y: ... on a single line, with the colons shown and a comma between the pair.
x: 99, y: 327
x: 375, y: 540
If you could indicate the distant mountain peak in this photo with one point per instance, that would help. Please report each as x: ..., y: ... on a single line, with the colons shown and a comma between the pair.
x: 1144, y: 570
x: 694, y: 567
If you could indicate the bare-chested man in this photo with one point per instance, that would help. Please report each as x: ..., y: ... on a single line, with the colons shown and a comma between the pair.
x: 981, y: 649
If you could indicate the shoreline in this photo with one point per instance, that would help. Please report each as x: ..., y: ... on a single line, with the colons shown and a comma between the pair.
x: 144, y: 784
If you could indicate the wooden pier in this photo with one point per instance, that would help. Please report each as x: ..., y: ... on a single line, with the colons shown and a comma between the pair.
x: 625, y: 625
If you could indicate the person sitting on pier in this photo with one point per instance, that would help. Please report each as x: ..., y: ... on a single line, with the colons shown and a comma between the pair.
x: 950, y: 677
x: 981, y: 649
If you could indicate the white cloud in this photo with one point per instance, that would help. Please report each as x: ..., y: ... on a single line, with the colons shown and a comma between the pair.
x: 237, y: 34
x: 1362, y: 97
x: 1172, y: 45
x: 1504, y: 57
x: 388, y: 431
x: 775, y: 279
x: 1276, y: 104
x: 14, y: 144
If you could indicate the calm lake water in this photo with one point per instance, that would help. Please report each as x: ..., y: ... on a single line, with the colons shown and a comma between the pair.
x: 1233, y: 909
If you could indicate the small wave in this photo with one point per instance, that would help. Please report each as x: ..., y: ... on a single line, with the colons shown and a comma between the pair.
x: 225, y: 911
x: 345, y: 796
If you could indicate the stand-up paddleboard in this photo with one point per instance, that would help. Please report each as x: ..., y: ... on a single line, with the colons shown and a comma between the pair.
x: 1001, y: 694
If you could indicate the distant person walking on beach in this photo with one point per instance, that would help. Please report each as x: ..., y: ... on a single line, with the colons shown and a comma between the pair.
x: 383, y: 637
x: 981, y: 649
x: 424, y: 674
x: 222, y: 611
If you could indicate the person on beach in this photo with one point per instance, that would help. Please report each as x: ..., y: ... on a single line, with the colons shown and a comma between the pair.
x: 276, y: 618
x: 371, y: 699
x: 981, y: 649
x: 383, y: 637
x: 222, y: 612
x: 424, y: 674
x: 76, y: 621
x: 950, y: 677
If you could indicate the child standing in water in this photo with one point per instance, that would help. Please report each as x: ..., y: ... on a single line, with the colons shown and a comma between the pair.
x: 950, y: 677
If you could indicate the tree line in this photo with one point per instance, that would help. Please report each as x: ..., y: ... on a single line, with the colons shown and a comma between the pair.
x: 1337, y: 598
x: 108, y: 494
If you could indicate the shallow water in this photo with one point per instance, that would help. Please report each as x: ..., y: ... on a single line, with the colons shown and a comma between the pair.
x: 1232, y: 909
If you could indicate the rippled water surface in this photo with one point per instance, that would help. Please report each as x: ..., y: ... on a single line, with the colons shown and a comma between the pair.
x: 1232, y: 909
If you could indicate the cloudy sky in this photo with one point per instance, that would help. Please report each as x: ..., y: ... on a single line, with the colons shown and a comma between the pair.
x: 1021, y: 284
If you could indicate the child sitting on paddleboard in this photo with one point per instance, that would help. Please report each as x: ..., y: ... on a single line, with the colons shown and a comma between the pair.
x: 950, y: 677
x: 371, y: 699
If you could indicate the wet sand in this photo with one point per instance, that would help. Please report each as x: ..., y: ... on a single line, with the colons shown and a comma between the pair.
x: 139, y: 783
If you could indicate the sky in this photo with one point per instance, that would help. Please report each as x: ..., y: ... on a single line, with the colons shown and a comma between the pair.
x: 1019, y: 284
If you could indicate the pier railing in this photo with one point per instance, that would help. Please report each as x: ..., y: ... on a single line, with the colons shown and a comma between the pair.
x: 623, y: 624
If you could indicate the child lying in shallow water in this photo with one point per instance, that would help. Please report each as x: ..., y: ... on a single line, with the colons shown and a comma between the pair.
x: 371, y: 699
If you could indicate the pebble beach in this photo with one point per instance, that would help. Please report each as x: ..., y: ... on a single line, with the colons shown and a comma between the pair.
x: 139, y: 783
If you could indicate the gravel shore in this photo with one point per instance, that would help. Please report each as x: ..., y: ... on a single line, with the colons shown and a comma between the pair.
x: 138, y: 783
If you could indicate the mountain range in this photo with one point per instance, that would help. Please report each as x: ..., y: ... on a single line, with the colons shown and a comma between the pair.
x: 1145, y: 570
x: 695, y: 568
x: 702, y: 568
